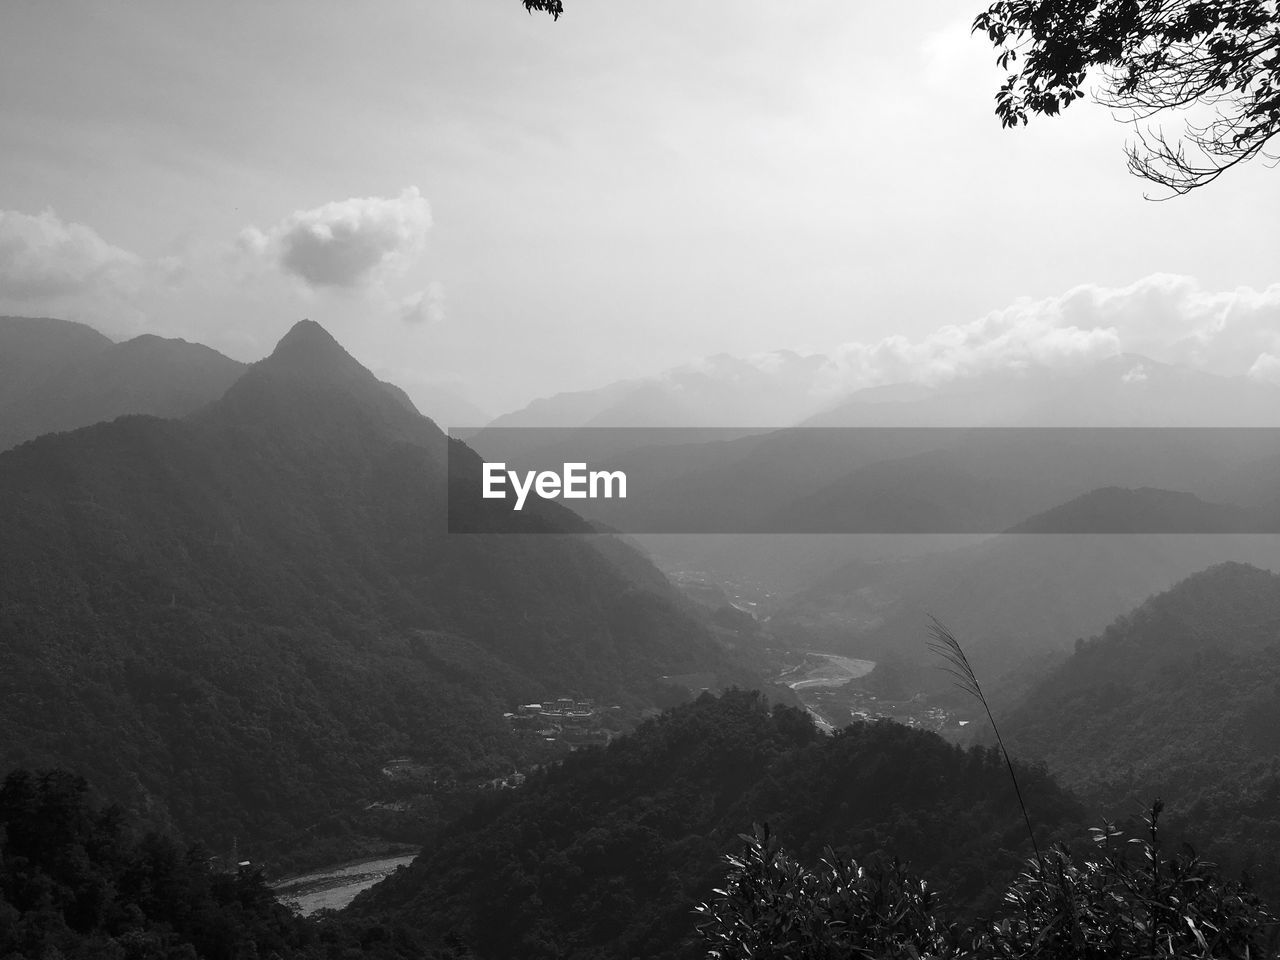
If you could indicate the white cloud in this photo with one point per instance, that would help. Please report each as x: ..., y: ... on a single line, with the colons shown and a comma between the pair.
x: 1266, y: 368
x: 347, y: 243
x: 425, y: 306
x: 1165, y: 317
x: 1172, y: 318
x: 1135, y: 374
x: 43, y: 256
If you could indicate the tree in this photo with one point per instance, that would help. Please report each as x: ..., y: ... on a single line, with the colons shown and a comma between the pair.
x: 773, y: 908
x: 1212, y: 67
x: 1120, y: 902
x: 553, y: 7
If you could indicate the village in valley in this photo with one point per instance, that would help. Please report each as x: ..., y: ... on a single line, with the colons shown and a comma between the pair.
x: 573, y: 723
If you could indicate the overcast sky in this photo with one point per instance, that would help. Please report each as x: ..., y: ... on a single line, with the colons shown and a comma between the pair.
x: 462, y: 192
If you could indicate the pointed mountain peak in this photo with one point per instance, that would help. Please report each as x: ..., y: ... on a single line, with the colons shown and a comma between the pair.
x: 311, y: 383
x: 309, y: 350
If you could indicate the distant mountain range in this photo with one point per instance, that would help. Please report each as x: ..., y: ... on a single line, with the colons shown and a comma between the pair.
x: 1126, y: 390
x: 231, y: 621
x: 786, y: 389
x: 772, y: 390
x: 58, y: 375
x: 976, y: 454
x: 1144, y: 510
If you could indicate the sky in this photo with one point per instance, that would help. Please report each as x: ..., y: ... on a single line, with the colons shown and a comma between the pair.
x: 466, y: 194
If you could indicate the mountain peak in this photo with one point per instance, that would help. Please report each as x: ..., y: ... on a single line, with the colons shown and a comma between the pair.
x: 310, y: 381
x: 308, y: 349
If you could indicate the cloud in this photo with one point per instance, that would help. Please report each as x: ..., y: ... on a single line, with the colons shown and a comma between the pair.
x: 43, y: 256
x: 348, y: 243
x: 1135, y: 374
x: 425, y: 306
x: 1172, y: 318
x: 1266, y: 368
x: 1165, y: 317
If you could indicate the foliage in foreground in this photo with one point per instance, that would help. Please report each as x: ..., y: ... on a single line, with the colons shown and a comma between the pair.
x: 1149, y: 59
x: 1114, y: 905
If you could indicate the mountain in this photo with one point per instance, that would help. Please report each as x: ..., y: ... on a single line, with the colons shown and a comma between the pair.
x: 891, y: 480
x: 1180, y: 699
x: 977, y: 455
x: 1145, y: 510
x: 33, y: 348
x: 231, y: 622
x: 604, y: 855
x: 66, y: 376
x: 787, y: 389
x: 771, y: 390
x: 1125, y: 390
x: 32, y: 351
x: 445, y: 405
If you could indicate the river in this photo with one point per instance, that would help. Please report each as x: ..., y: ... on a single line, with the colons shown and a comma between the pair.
x: 834, y: 671
x: 335, y: 887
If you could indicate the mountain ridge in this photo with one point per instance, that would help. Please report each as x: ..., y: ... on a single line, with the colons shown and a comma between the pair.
x: 263, y: 605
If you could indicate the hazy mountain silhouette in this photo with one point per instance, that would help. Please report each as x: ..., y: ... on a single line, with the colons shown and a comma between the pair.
x: 231, y: 621
x: 446, y: 406
x: 32, y: 348
x: 1126, y: 390
x: 1144, y: 510
x: 906, y: 480
x: 721, y: 391
x: 800, y: 480
x: 60, y: 376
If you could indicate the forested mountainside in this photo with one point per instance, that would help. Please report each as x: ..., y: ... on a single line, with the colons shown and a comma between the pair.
x: 59, y: 375
x: 1178, y: 699
x: 604, y: 855
x: 230, y: 623
x: 630, y: 851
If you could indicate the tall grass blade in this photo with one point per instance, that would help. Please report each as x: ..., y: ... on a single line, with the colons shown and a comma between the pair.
x: 945, y: 645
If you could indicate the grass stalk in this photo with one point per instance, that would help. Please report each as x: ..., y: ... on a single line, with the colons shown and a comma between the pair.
x: 945, y: 645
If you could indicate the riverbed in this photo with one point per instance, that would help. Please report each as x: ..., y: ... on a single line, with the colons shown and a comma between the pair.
x: 832, y: 671
x: 335, y: 887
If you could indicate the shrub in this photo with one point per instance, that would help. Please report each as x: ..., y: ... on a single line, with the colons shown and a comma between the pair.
x: 1113, y: 906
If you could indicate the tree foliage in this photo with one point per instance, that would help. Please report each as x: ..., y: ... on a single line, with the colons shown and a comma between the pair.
x: 1063, y: 907
x: 1212, y: 66
x: 773, y: 908
x: 553, y: 7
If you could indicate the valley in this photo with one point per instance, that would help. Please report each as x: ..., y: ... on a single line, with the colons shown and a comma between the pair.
x: 552, y: 480
x: 561, y: 705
